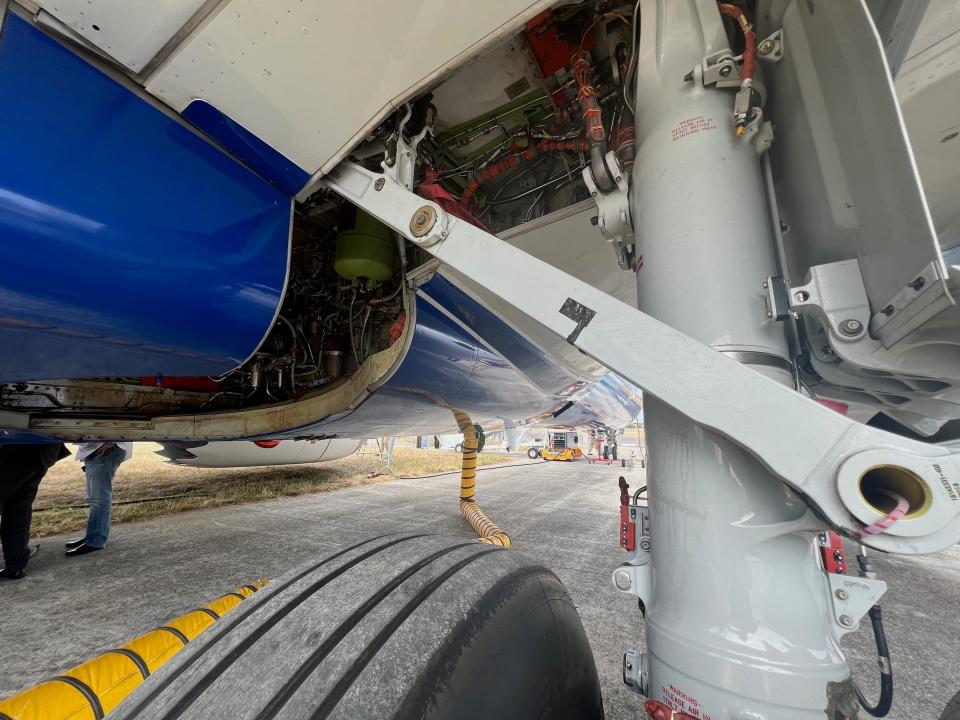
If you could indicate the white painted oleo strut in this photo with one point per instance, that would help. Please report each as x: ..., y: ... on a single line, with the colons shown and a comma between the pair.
x: 816, y: 451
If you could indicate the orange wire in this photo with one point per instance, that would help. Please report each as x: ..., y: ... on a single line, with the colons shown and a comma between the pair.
x: 598, y: 19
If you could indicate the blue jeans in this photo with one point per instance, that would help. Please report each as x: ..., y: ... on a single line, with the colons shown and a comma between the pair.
x: 99, y: 471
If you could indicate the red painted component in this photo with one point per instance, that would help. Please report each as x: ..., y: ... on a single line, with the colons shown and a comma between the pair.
x: 628, y: 528
x: 831, y: 550
x: 200, y: 384
x: 396, y: 330
x: 431, y: 189
x: 834, y: 405
x: 266, y: 443
x: 661, y: 711
x: 549, y: 50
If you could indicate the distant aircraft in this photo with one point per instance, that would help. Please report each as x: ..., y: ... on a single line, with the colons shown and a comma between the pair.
x: 240, y: 453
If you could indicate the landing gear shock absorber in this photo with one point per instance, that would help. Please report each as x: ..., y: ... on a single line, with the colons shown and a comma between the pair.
x: 738, y: 618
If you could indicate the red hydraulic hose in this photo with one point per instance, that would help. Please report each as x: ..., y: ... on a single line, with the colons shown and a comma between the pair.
x: 750, y: 41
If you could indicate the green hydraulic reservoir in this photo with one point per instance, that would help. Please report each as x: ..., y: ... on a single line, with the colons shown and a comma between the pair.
x: 367, y: 251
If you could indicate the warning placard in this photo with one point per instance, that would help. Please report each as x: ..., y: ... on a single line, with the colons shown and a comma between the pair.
x: 692, y: 126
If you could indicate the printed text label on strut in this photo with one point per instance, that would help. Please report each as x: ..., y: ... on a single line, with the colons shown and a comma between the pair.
x: 692, y: 126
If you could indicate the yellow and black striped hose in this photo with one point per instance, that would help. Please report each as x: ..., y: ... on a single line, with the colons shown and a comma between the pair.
x: 94, y: 688
x: 484, y: 526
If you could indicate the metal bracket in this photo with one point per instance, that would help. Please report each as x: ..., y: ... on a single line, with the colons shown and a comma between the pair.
x: 401, y: 164
x: 835, y: 294
x: 923, y: 298
x: 778, y: 299
x: 771, y: 47
x: 634, y: 577
x: 613, y: 211
x: 635, y: 671
x: 828, y: 454
x: 718, y: 69
x: 851, y: 598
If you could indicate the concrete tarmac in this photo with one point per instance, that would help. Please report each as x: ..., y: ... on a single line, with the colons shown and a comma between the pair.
x: 566, y: 515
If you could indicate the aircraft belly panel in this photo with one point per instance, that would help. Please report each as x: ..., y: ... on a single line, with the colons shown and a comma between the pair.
x: 133, y: 246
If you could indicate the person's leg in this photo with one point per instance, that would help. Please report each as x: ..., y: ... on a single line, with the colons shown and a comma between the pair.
x: 99, y: 471
x: 16, y: 518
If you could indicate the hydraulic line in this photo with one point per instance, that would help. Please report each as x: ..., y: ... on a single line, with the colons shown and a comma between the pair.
x: 749, y: 62
x: 885, y: 701
x: 511, y: 161
x: 94, y: 688
x: 485, y: 528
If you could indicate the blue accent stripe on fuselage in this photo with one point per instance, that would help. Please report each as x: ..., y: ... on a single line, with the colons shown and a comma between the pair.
x: 132, y: 246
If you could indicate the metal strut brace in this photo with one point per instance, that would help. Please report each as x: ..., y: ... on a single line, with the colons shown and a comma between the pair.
x: 819, y: 453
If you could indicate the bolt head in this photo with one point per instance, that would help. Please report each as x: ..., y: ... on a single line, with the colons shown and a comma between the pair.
x: 724, y: 71
x: 766, y: 47
x: 842, y: 594
x: 846, y: 620
x: 422, y: 221
x: 851, y: 327
x: 621, y: 580
x: 629, y: 666
x: 378, y: 185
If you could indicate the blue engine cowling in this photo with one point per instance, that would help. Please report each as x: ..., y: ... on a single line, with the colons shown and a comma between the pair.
x: 132, y: 245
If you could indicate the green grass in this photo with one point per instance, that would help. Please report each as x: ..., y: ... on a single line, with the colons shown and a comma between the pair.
x: 147, y: 476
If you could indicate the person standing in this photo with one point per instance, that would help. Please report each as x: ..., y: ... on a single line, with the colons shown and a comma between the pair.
x: 100, y: 462
x: 22, y: 467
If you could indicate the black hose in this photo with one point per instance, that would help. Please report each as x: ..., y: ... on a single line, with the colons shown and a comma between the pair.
x: 886, y: 670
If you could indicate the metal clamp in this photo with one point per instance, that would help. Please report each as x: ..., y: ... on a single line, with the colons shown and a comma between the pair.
x: 718, y: 69
x: 613, y: 211
x: 835, y: 293
x: 400, y: 165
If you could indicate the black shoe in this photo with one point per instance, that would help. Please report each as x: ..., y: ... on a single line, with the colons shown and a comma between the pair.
x: 75, y: 543
x: 81, y: 549
x: 11, y: 574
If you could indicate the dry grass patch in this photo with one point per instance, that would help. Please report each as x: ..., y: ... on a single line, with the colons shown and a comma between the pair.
x: 147, y: 487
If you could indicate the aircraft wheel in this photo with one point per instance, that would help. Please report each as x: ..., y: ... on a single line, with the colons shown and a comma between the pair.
x: 606, y: 452
x: 401, y: 626
x: 613, y: 451
x: 533, y: 453
x: 952, y: 710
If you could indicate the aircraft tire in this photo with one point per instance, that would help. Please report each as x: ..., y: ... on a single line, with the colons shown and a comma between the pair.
x: 399, y: 626
x: 533, y: 453
x: 952, y: 710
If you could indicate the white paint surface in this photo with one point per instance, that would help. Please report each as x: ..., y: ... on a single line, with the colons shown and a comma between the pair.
x: 308, y: 76
x: 130, y: 31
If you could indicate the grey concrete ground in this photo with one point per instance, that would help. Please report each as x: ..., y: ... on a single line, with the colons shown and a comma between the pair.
x: 565, y: 514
